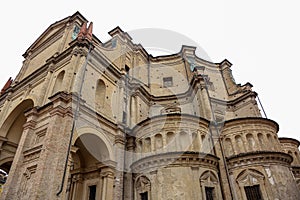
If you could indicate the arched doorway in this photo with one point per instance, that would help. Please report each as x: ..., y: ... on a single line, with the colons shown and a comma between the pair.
x: 11, y: 132
x: 91, y: 170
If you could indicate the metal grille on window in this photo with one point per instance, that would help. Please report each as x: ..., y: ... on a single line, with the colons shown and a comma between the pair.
x: 253, y: 192
x: 209, y: 193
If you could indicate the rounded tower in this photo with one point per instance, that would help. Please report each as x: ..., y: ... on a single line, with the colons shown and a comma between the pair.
x: 256, y: 163
x: 291, y: 147
x: 174, y: 154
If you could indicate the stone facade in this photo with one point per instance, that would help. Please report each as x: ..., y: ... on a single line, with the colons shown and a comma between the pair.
x: 85, y: 119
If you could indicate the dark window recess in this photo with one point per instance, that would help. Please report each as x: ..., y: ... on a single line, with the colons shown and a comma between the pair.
x: 92, y: 194
x: 209, y: 193
x: 144, y: 196
x: 253, y: 192
x: 127, y: 69
x: 124, y: 119
x: 168, y: 82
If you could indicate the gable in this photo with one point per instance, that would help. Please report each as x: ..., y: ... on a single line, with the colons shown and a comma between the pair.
x: 53, y: 40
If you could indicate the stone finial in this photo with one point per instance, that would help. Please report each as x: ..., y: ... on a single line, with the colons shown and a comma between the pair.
x: 89, y: 34
x: 82, y: 32
x: 86, y: 33
x: 7, y: 85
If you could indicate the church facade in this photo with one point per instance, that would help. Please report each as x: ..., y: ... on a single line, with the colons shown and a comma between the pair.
x: 92, y: 120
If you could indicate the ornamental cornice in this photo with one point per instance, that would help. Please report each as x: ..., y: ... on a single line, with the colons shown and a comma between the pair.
x: 259, y: 158
x: 250, y: 121
x: 61, y: 111
x: 175, y: 159
x: 180, y: 117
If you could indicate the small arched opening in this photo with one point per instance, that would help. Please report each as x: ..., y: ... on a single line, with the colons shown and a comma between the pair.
x: 58, y: 82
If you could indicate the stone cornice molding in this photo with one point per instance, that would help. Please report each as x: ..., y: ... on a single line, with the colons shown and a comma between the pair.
x: 285, y: 140
x: 61, y: 96
x: 250, y: 121
x: 174, y: 159
x: 259, y: 158
x: 171, y: 116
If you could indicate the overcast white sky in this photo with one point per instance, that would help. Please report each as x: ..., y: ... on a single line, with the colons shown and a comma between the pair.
x: 261, y: 38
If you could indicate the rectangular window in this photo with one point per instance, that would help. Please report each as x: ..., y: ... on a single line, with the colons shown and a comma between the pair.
x: 209, y: 193
x: 92, y: 192
x: 168, y: 81
x: 253, y: 192
x: 144, y: 196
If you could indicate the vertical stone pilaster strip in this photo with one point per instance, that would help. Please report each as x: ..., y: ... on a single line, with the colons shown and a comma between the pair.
x: 119, y: 155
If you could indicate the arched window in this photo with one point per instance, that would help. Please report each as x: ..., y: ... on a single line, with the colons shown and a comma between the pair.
x: 100, y: 93
x: 140, y: 146
x: 270, y: 142
x: 58, y: 82
x: 239, y: 143
x: 261, y: 141
x: 205, y: 143
x: 251, y: 142
x: 171, y: 143
x: 147, y: 144
x: 228, y: 147
x: 196, y: 141
x: 184, y: 141
x: 158, y: 141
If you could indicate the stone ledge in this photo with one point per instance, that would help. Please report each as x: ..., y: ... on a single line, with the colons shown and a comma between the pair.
x: 259, y: 157
x: 175, y: 159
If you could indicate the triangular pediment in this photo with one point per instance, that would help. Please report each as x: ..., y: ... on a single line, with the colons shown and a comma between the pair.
x: 250, y: 176
x: 53, y: 30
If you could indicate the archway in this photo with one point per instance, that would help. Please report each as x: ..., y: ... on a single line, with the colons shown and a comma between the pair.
x: 91, y: 171
x: 11, y: 132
